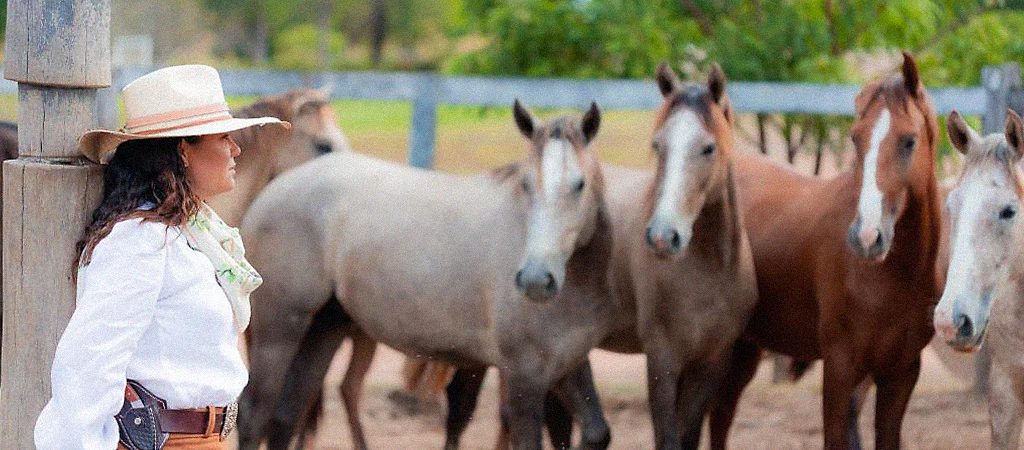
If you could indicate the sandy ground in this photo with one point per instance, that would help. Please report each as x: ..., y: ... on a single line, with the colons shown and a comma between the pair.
x: 771, y: 416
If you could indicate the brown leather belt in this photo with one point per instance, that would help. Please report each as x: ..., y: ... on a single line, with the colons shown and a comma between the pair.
x: 205, y: 421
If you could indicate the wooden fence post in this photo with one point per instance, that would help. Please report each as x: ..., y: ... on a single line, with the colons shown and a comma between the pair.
x: 59, y: 53
x: 424, y: 122
x: 998, y: 82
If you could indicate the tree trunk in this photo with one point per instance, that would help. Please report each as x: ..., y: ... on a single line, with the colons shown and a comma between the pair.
x: 762, y: 142
x: 323, y: 23
x: 261, y: 35
x: 378, y: 31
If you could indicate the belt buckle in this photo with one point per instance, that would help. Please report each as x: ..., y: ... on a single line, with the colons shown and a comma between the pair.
x: 230, y: 420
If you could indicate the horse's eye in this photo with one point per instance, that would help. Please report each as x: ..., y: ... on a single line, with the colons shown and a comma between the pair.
x: 708, y: 149
x: 656, y: 146
x: 577, y: 187
x: 1008, y: 213
x: 525, y: 185
x: 907, y: 146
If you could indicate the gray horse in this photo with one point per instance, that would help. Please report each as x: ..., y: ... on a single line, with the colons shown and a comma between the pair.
x: 506, y: 269
x: 682, y: 271
x: 985, y: 279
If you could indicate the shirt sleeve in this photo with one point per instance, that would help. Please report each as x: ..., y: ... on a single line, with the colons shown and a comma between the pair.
x: 116, y: 302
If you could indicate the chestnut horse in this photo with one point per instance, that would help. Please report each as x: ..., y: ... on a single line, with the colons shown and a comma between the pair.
x: 505, y: 270
x: 846, y: 267
x: 682, y: 270
x: 985, y: 288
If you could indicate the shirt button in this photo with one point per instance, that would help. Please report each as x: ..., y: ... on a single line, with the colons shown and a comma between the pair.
x: 138, y: 421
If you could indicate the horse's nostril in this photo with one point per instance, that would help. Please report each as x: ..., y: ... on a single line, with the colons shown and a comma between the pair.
x: 878, y: 241
x: 551, y: 283
x: 519, y: 279
x: 650, y: 237
x: 323, y: 148
x: 964, y: 326
x: 675, y: 240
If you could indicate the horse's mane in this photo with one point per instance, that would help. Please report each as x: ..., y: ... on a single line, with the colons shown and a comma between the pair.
x: 995, y: 149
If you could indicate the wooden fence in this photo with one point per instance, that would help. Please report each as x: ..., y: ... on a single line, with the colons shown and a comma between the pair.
x: 426, y: 91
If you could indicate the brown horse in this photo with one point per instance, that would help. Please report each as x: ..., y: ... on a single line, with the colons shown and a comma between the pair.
x: 682, y: 270
x: 269, y: 151
x: 521, y: 285
x: 846, y: 267
x: 982, y: 298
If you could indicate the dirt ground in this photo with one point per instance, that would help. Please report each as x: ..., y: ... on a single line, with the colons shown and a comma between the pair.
x: 771, y: 416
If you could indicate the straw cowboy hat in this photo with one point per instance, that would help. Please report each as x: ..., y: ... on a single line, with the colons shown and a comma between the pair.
x: 176, y: 101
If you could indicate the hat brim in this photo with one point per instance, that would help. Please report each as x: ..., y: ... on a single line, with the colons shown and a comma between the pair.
x: 99, y: 145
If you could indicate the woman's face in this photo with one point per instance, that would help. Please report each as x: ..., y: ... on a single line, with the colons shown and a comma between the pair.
x: 210, y: 164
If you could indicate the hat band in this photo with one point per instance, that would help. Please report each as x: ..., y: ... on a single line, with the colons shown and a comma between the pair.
x: 165, y: 120
x: 194, y: 123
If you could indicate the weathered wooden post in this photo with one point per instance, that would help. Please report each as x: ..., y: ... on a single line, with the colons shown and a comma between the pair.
x: 59, y: 53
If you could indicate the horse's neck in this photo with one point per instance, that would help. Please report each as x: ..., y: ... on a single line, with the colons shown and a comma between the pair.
x: 718, y: 228
x: 588, y: 265
x: 917, y: 233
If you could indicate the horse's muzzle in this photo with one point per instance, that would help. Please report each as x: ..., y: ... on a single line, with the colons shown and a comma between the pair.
x: 536, y: 283
x: 868, y: 242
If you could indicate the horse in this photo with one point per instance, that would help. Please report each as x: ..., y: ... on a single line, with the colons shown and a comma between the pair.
x: 682, y: 271
x: 846, y: 266
x: 682, y: 268
x: 982, y: 297
x: 504, y: 269
x: 269, y: 151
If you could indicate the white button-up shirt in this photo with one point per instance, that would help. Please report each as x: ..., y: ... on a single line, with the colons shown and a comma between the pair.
x: 148, y: 309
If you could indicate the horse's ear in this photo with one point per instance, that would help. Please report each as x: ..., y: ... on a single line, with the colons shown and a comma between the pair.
x: 326, y: 90
x: 591, y: 122
x: 911, y: 77
x: 716, y: 83
x: 1015, y: 133
x: 524, y: 120
x: 668, y: 81
x: 961, y: 135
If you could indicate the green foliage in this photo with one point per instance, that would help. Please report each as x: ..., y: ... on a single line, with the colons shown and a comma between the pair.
x: 987, y: 39
x: 296, y: 47
x: 589, y: 39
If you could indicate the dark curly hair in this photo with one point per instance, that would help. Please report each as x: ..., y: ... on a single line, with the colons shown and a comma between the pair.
x: 141, y: 172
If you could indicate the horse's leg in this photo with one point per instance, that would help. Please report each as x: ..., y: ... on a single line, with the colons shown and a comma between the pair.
x: 270, y: 345
x: 363, y: 349
x: 663, y: 372
x: 697, y: 387
x: 304, y: 382
x: 558, y: 420
x: 503, y: 441
x: 525, y: 410
x: 462, y: 391
x: 578, y: 392
x: 1006, y: 408
x: 745, y: 357
x: 856, y: 406
x: 412, y: 373
x: 840, y: 380
x: 894, y: 391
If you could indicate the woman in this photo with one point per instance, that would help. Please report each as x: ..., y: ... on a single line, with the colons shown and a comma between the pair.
x: 163, y: 284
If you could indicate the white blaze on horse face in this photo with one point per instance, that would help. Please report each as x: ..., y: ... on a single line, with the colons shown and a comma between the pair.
x: 869, y: 206
x: 684, y: 129
x: 553, y: 224
x: 962, y: 270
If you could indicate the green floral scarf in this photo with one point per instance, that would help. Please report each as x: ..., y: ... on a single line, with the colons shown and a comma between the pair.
x: 208, y: 234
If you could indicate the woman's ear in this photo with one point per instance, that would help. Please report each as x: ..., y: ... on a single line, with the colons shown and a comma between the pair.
x: 183, y: 151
